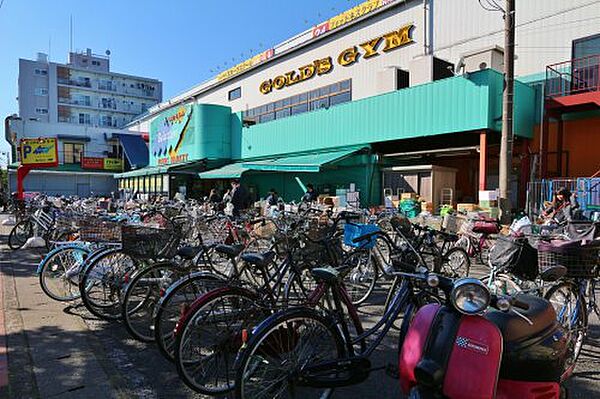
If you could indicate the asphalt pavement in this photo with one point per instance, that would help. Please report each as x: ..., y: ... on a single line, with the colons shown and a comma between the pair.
x: 58, y: 350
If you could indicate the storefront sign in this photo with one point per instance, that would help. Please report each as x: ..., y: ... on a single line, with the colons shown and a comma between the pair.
x: 356, y: 12
x: 39, y: 152
x: 347, y: 57
x: 92, y: 163
x: 243, y: 66
x: 113, y: 164
x: 172, y: 136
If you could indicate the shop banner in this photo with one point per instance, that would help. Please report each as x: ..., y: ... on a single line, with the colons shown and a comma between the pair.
x: 92, y: 163
x: 113, y: 164
x: 39, y: 152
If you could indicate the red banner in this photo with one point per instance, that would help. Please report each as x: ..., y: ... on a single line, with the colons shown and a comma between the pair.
x: 92, y: 163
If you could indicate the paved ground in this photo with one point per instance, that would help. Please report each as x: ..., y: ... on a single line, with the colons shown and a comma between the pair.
x: 60, y: 351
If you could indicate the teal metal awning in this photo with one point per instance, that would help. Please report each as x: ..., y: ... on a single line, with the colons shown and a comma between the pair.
x: 147, y: 171
x: 307, y: 163
x: 301, y: 163
x: 231, y: 171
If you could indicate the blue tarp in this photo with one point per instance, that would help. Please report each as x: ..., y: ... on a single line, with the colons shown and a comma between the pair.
x: 135, y: 149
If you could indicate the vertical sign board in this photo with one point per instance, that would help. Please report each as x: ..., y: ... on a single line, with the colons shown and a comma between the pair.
x: 34, y: 154
x: 172, y: 136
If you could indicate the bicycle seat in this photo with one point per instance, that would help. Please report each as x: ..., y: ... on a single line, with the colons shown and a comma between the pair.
x: 188, y: 253
x: 553, y: 273
x: 326, y: 274
x: 230, y: 250
x: 258, y: 259
x: 514, y: 328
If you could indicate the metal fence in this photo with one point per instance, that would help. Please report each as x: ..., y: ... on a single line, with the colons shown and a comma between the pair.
x: 541, y: 191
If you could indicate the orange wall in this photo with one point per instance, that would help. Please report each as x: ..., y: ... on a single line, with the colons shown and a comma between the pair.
x: 581, y: 138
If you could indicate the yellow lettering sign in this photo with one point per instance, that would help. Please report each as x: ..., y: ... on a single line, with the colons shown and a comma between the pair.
x: 348, y: 56
x: 370, y: 47
x: 397, y: 38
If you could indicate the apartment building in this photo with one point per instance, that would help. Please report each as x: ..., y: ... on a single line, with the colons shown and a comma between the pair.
x: 84, y: 105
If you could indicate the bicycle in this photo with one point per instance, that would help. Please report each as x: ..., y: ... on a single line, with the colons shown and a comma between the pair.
x: 308, y: 350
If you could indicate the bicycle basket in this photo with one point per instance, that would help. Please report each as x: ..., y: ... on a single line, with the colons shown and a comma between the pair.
x: 579, y: 257
x: 93, y: 230
x: 517, y: 256
x: 148, y: 242
x: 355, y: 230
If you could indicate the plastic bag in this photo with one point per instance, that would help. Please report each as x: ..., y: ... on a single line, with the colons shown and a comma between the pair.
x: 521, y: 226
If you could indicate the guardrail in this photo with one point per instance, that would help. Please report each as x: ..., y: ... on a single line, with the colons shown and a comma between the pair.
x: 575, y: 76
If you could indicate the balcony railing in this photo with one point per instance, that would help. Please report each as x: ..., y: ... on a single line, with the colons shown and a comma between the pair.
x: 71, y: 82
x: 580, y: 75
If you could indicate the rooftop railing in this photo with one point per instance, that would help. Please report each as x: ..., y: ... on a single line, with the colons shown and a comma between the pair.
x: 576, y: 76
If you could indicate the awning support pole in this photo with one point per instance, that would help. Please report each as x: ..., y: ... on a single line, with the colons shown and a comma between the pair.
x: 483, y: 160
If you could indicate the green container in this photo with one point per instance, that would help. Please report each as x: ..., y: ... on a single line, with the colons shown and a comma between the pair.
x: 410, y: 208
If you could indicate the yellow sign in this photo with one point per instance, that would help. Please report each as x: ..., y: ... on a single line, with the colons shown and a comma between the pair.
x: 356, y: 12
x: 113, y: 164
x: 242, y: 66
x: 347, y: 57
x: 42, y: 151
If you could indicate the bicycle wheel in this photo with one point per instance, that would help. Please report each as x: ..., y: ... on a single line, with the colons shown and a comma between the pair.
x: 19, y: 234
x: 571, y: 312
x: 210, y: 338
x: 456, y: 263
x: 362, y: 274
x: 142, y: 293
x: 272, y: 364
x: 59, y: 272
x: 175, y: 302
x: 103, y: 280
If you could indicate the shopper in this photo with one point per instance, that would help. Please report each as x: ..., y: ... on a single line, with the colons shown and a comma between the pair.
x: 214, y: 197
x: 272, y: 198
x: 310, y: 195
x: 562, y: 208
x: 239, y: 197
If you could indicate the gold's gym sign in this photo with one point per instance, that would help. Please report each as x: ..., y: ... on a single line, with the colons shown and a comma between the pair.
x: 347, y: 57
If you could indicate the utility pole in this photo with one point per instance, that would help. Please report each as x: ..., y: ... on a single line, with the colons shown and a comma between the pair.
x: 506, y: 141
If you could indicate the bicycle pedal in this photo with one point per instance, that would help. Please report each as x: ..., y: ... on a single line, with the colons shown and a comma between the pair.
x: 392, y: 371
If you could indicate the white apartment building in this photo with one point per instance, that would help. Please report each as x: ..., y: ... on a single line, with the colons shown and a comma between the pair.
x: 84, y: 105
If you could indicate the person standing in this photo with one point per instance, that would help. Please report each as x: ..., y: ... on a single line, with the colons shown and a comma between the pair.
x: 272, y: 198
x: 214, y: 197
x: 239, y: 197
x: 310, y: 195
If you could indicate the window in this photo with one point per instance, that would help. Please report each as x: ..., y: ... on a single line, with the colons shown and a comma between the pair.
x: 73, y: 152
x: 41, y: 91
x: 586, y: 46
x: 106, y: 121
x: 235, y: 94
x: 402, y: 79
x: 85, y: 119
x: 336, y: 93
x: 42, y: 111
x: 41, y: 72
x: 96, y: 63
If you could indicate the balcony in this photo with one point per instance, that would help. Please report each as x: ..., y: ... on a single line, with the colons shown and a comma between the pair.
x: 77, y: 83
x: 573, y: 85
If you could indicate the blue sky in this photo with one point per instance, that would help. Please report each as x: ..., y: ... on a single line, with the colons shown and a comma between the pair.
x: 177, y: 41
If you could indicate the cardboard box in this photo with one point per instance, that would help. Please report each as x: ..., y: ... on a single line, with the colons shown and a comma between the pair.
x: 408, y: 196
x: 466, y: 207
x: 488, y: 195
x: 487, y: 204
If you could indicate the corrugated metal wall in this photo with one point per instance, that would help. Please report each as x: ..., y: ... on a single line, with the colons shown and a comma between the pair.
x: 446, y: 106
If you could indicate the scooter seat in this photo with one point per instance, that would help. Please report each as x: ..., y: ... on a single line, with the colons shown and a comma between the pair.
x: 514, y: 328
x: 229, y: 250
x: 188, y: 252
x: 258, y: 259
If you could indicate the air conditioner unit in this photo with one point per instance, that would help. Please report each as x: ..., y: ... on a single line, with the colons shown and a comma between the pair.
x: 488, y: 57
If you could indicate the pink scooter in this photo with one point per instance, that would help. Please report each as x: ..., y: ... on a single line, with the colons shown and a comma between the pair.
x: 479, y: 346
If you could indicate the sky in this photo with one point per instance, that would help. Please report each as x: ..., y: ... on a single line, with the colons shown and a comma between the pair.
x: 180, y: 42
